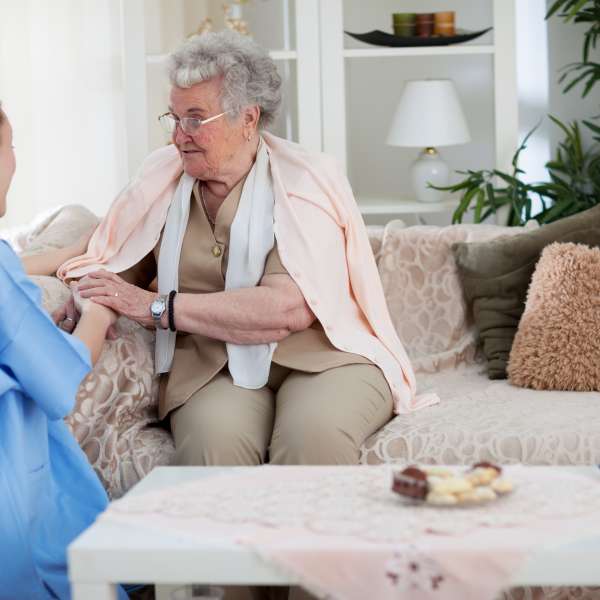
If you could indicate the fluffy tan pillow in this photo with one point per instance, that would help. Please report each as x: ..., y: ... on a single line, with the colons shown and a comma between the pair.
x: 557, y: 346
x: 424, y: 294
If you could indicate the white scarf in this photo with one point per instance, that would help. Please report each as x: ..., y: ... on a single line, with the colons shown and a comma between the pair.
x: 251, y: 238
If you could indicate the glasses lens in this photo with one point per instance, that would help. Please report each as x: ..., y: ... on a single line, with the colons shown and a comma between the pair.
x: 168, y: 123
x: 190, y: 125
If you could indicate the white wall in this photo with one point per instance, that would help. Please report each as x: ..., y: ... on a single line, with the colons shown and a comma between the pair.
x: 60, y: 80
x: 533, y: 82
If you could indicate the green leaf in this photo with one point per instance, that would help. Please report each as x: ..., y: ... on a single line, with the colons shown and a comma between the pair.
x: 512, y: 181
x: 479, y: 205
x: 560, y: 124
x: 577, y: 79
x: 489, y: 190
x: 590, y: 84
x: 595, y: 128
x: 558, y: 4
x: 576, y: 8
x: 556, y: 211
x: 463, y: 205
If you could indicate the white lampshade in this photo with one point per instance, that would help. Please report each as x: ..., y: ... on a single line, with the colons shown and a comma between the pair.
x: 429, y: 114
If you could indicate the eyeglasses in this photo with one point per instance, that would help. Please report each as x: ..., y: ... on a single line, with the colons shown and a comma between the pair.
x: 189, y: 125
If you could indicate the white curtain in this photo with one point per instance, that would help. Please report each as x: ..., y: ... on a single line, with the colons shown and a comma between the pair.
x: 61, y: 86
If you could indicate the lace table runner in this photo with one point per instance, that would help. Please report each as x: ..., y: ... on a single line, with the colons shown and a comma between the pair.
x: 319, y: 522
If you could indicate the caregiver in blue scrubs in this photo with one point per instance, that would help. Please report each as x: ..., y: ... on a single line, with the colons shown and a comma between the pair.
x: 48, y: 491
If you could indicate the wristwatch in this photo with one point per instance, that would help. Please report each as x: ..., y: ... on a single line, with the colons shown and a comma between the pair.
x: 157, y: 309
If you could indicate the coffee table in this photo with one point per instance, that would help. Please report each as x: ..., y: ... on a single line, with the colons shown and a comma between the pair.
x: 108, y: 553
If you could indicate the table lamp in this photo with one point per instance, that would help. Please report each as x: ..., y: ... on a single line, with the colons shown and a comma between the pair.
x: 429, y: 114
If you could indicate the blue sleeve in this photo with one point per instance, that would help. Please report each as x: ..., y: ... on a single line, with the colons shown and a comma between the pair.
x: 48, y: 364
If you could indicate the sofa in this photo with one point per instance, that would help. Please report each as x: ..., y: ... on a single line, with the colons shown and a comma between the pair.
x: 115, y: 418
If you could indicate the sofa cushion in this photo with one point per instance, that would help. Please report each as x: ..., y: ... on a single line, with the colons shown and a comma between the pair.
x: 478, y: 419
x: 424, y: 294
x: 496, y: 274
x: 557, y: 346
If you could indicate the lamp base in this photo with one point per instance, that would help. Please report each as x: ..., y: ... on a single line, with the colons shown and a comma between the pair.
x: 429, y: 168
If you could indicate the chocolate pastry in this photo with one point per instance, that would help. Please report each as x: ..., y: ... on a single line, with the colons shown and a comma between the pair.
x: 487, y: 465
x: 414, y: 472
x: 411, y: 482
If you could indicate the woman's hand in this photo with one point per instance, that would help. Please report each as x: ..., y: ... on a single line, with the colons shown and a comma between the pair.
x: 110, y: 290
x: 85, y: 306
x: 68, y: 316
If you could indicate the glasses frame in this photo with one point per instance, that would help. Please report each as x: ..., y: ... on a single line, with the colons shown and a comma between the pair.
x: 182, y: 122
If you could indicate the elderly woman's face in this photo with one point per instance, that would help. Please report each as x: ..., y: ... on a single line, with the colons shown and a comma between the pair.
x: 206, y: 153
x: 7, y: 161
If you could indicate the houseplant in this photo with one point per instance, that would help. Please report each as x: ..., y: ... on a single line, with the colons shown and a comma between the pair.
x: 574, y: 173
x: 581, y: 11
x: 574, y: 184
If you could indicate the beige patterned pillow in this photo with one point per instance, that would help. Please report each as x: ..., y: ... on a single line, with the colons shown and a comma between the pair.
x: 55, y: 229
x: 423, y: 291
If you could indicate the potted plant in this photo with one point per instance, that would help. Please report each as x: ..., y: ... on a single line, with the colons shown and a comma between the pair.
x: 574, y: 172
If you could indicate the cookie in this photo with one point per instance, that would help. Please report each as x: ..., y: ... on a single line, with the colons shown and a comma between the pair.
x: 452, y: 485
x: 441, y: 499
x: 502, y: 486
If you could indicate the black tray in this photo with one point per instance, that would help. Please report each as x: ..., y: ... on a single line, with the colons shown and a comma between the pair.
x: 382, y: 38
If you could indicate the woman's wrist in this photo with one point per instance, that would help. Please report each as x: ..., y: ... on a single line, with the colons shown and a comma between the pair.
x: 103, y: 314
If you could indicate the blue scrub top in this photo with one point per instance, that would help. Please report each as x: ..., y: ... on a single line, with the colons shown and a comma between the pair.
x: 48, y: 491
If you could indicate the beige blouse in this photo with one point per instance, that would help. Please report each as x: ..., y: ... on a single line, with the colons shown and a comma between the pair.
x: 202, y: 269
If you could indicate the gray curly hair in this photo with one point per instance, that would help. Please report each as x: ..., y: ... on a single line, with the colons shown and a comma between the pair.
x: 249, y: 73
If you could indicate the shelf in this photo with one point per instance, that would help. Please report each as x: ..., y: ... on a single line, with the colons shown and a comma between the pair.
x: 156, y: 59
x: 283, y: 54
x: 418, y: 51
x: 390, y: 206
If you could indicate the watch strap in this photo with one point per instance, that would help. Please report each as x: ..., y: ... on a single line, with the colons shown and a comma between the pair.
x: 171, y: 309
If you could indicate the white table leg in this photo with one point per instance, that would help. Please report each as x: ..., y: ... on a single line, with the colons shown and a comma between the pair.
x: 93, y: 591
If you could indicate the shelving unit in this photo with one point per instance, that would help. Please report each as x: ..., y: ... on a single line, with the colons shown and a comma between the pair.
x: 320, y: 61
x: 502, y: 51
x: 392, y: 206
x: 419, y: 51
x: 153, y: 59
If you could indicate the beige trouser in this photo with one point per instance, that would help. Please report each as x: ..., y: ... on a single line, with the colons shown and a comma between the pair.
x: 297, y: 418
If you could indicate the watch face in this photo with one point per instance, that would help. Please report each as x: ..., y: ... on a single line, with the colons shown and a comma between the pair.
x: 157, y: 308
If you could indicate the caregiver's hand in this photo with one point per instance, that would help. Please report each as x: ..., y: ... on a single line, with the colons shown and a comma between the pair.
x: 108, y: 289
x: 67, y: 317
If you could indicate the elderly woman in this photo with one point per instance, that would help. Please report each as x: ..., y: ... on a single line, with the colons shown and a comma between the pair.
x: 273, y: 337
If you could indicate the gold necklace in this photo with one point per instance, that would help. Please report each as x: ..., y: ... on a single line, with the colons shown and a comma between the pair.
x: 212, y: 223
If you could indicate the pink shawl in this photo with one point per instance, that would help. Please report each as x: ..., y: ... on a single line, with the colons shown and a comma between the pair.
x: 321, y: 240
